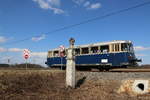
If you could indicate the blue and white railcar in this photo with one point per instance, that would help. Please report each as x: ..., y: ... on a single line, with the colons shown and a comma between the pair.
x: 97, y: 55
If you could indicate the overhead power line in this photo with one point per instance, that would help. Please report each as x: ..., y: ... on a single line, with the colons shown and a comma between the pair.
x: 83, y: 22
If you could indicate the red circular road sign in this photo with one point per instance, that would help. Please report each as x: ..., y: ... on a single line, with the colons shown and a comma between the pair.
x: 26, y: 56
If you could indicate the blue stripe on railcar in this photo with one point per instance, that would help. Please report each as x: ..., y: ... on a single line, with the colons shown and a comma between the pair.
x: 115, y: 59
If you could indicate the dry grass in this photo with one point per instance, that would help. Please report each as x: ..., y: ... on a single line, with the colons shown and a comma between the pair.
x: 25, y: 84
x: 50, y: 85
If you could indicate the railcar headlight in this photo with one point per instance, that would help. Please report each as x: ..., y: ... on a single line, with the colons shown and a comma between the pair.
x: 130, y: 57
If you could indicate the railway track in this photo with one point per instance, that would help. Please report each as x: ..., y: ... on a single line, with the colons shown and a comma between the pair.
x: 119, y: 70
x: 114, y: 70
x: 130, y: 70
x: 95, y: 70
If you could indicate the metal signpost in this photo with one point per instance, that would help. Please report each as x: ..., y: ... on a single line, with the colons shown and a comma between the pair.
x: 61, y: 49
x: 26, y: 55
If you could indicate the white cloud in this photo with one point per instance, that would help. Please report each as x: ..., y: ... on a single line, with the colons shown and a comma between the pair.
x: 88, y: 5
x: 50, y: 5
x: 57, y: 11
x: 38, y: 38
x: 2, y: 49
x: 141, y: 55
x: 15, y: 50
x: 11, y: 49
x: 141, y: 48
x: 3, y: 39
x: 94, y: 6
x: 79, y: 2
x: 54, y: 2
x: 39, y: 58
x: 39, y: 54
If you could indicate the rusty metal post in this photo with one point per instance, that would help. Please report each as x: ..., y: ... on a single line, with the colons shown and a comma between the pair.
x: 70, y: 70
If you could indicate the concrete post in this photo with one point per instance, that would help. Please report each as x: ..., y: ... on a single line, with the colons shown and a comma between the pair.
x: 70, y: 71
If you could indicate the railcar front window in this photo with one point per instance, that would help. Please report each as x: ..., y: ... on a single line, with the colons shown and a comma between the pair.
x: 124, y: 47
x: 127, y: 47
x: 131, y: 47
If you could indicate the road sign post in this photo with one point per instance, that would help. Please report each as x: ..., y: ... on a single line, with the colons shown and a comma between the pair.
x: 61, y: 53
x: 26, y: 64
x: 61, y: 63
x: 26, y: 55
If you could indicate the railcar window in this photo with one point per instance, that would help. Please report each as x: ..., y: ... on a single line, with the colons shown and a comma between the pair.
x: 104, y: 49
x: 50, y: 54
x: 85, y: 50
x: 94, y: 49
x: 77, y: 51
x: 56, y: 53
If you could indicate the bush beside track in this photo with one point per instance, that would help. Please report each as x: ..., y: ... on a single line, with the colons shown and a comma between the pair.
x: 21, y: 66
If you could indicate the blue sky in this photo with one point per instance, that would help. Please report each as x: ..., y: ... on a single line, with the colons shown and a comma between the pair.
x: 20, y: 19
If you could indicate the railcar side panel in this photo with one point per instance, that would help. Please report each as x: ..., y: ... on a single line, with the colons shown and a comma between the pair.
x: 111, y: 59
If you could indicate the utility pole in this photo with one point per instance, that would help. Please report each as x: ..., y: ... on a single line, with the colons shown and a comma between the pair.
x: 70, y: 71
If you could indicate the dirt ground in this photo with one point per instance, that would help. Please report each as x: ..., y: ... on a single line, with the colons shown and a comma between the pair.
x: 50, y: 85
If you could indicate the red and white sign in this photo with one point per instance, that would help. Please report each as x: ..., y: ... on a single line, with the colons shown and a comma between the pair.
x: 26, y: 53
x: 61, y: 49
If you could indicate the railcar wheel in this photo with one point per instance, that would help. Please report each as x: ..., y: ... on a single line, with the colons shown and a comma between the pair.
x: 107, y: 69
x: 101, y: 69
x: 125, y: 66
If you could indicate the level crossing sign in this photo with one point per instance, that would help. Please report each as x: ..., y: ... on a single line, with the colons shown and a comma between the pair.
x: 61, y: 48
x: 61, y: 51
x: 26, y: 53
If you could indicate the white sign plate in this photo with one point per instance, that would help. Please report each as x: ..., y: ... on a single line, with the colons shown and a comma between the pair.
x: 104, y: 60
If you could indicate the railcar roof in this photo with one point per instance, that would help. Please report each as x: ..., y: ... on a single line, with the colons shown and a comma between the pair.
x: 103, y: 43
x: 99, y: 43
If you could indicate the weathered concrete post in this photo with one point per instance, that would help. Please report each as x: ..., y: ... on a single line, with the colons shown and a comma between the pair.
x: 70, y: 71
